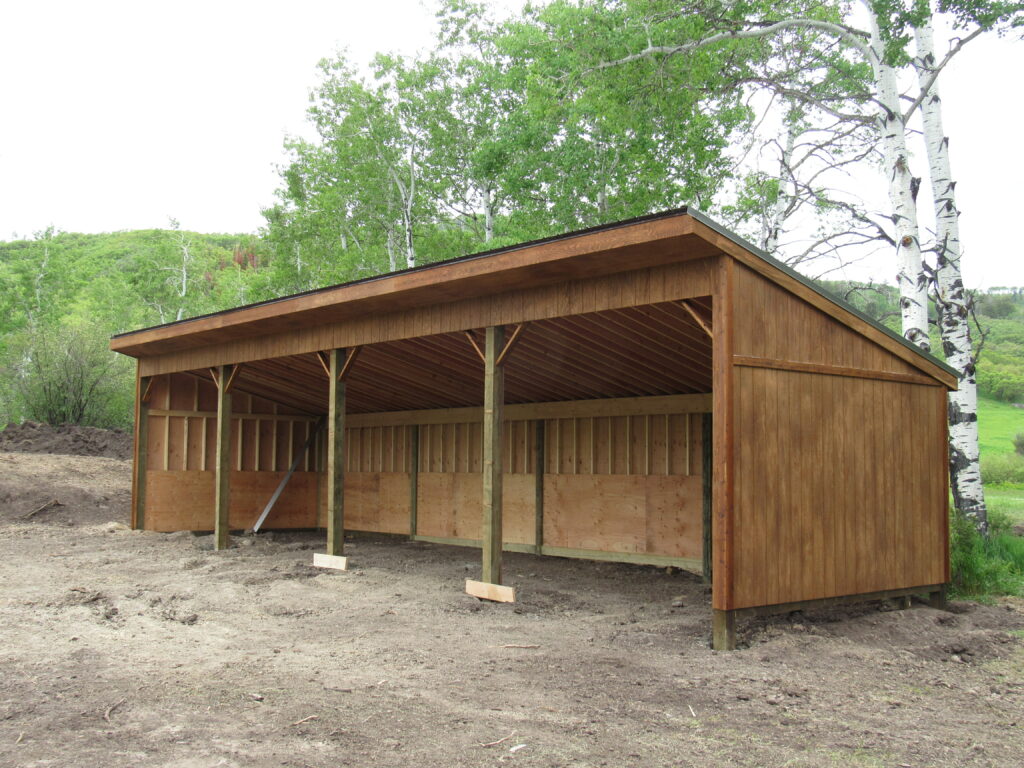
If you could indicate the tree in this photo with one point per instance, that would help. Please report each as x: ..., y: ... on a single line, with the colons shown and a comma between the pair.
x: 884, y: 47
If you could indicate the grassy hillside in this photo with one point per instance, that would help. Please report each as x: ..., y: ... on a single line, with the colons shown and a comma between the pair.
x: 998, y: 423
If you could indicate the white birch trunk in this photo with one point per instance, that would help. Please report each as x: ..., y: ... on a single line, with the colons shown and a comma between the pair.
x: 392, y: 260
x: 773, y: 227
x: 488, y: 214
x: 913, y: 283
x: 964, y: 464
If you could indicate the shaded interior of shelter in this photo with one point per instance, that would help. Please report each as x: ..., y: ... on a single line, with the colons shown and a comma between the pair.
x: 623, y: 485
x: 658, y: 349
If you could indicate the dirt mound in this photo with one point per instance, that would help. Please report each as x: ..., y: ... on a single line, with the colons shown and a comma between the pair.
x: 68, y: 440
x: 63, y: 490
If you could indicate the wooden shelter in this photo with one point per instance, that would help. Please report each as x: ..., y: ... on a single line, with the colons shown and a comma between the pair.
x: 652, y: 391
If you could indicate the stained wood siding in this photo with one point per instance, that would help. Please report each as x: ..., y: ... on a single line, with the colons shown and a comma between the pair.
x: 838, y: 481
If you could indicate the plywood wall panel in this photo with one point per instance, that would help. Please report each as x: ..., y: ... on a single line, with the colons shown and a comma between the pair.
x: 177, y: 500
x: 600, y: 512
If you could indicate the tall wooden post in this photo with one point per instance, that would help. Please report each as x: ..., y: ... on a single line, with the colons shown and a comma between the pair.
x: 336, y: 457
x: 223, y: 462
x: 538, y: 521
x: 414, y: 479
x: 707, y: 463
x: 141, y: 452
x: 494, y: 398
x: 723, y: 630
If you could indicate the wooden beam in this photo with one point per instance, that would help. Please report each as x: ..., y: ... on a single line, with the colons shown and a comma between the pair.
x: 414, y: 478
x: 336, y: 562
x: 222, y: 499
x: 707, y: 462
x: 336, y: 457
x: 350, y: 358
x: 824, y: 369
x: 722, y: 439
x: 828, y: 602
x: 697, y: 318
x: 239, y: 416
x: 602, y: 408
x: 937, y: 598
x: 487, y: 591
x: 141, y: 448
x: 284, y: 480
x: 231, y: 379
x: 723, y: 630
x: 323, y: 362
x: 147, y: 388
x: 538, y: 471
x: 479, y: 352
x: 494, y: 398
x: 510, y: 343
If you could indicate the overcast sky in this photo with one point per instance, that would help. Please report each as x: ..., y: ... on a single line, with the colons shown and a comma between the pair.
x: 119, y: 115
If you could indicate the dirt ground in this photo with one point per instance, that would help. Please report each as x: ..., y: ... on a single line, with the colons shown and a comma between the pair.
x: 120, y: 648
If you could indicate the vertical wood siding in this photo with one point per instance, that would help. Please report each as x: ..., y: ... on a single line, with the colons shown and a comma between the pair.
x: 839, y: 483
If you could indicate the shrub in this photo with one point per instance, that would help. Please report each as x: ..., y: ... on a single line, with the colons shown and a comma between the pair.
x: 65, y: 374
x: 1018, y: 443
x: 985, y: 566
x: 1002, y: 468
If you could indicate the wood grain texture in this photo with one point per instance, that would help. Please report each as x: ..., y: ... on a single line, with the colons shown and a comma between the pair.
x: 573, y: 297
x: 839, y: 487
x: 765, y: 274
x: 490, y: 591
x: 184, y: 501
x: 524, y: 268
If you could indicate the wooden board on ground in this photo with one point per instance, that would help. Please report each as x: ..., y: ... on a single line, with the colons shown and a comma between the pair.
x: 337, y: 562
x: 494, y: 592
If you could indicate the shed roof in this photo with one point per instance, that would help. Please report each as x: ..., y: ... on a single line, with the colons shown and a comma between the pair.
x: 669, y: 236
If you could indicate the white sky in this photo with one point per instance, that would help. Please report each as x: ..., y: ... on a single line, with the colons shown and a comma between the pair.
x: 118, y: 115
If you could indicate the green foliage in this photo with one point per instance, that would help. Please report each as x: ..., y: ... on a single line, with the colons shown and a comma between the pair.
x: 504, y: 132
x: 981, y: 566
x: 66, y: 375
x: 1002, y: 468
x: 65, y: 294
x: 998, y: 424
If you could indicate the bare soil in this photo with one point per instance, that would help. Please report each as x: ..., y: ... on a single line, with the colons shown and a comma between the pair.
x: 121, y: 648
x: 33, y: 437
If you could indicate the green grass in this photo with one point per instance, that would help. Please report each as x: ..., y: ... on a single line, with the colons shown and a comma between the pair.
x: 1007, y: 500
x: 998, y: 423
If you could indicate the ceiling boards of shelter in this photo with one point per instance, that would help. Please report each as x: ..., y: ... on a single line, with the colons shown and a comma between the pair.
x: 657, y: 349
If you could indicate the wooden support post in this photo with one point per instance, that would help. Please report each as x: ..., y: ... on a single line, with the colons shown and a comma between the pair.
x: 141, y: 452
x: 223, y: 461
x: 937, y: 599
x: 539, y: 485
x: 414, y: 478
x: 336, y: 457
x: 723, y: 630
x: 494, y: 397
x: 706, y: 431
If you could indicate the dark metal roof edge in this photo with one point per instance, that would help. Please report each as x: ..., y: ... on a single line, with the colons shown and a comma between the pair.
x: 824, y: 292
x: 425, y: 267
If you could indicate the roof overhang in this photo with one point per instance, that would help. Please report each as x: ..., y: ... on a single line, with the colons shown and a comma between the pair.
x: 667, y: 237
